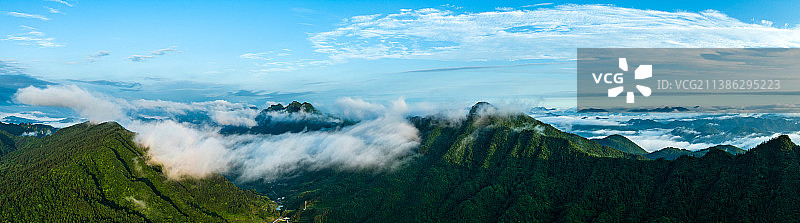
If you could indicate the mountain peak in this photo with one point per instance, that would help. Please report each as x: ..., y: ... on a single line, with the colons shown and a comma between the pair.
x: 781, y: 143
x: 481, y: 107
x: 293, y: 107
x: 275, y: 107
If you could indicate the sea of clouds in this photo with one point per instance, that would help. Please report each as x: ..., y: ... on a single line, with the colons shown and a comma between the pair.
x: 382, y: 139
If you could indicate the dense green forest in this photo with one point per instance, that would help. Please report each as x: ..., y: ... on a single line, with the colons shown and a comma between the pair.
x: 88, y: 173
x: 512, y: 168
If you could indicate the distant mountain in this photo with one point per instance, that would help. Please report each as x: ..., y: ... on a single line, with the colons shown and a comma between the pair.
x: 705, y: 128
x: 592, y: 110
x: 664, y: 109
x: 512, y: 168
x: 295, y: 117
x: 727, y: 148
x: 87, y: 173
x: 541, y: 109
x: 621, y: 143
x: 294, y: 107
x: 27, y: 129
x: 671, y: 153
x: 8, y: 132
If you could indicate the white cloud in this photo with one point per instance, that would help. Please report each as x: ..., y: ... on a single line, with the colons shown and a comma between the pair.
x: 99, y: 108
x: 26, y: 15
x: 52, y: 10
x: 32, y: 36
x: 40, y: 118
x: 95, y: 56
x: 96, y: 108
x: 139, y: 58
x: 656, y: 139
x: 61, y: 1
x: 240, y: 117
x: 164, y: 51
x: 182, y: 150
x: 541, y: 33
x: 266, y: 55
x: 289, y: 65
x: 186, y: 150
x: 279, y: 61
x: 539, y: 4
x: 226, y: 113
x: 153, y: 54
x: 356, y: 108
x: 381, y: 141
x: 168, y: 106
x: 254, y: 56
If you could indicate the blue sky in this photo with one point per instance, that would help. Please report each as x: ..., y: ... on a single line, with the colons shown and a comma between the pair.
x: 436, y: 51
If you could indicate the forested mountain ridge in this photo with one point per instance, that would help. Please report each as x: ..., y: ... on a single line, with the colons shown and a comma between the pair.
x: 671, y: 153
x: 457, y: 159
x: 511, y: 168
x: 489, y: 166
x: 621, y: 143
x: 90, y: 172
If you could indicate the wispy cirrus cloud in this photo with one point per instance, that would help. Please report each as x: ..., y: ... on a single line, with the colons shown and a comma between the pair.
x: 255, y: 56
x: 280, y: 60
x: 139, y: 58
x: 541, y: 33
x: 52, y: 10
x: 61, y: 2
x: 537, y: 5
x: 153, y: 54
x: 164, y: 51
x: 95, y: 56
x: 269, y: 55
x: 27, y: 15
x: 32, y: 36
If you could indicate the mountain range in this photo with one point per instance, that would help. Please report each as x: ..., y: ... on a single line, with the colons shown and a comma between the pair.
x: 513, y: 168
x: 488, y: 166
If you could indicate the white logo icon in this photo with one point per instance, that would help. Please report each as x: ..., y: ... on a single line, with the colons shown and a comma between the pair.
x: 641, y: 72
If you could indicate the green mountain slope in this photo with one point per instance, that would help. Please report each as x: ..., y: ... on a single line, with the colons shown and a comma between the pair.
x: 6, y: 143
x: 621, y: 143
x: 511, y: 168
x: 87, y: 173
x: 485, y: 160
